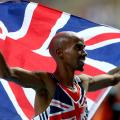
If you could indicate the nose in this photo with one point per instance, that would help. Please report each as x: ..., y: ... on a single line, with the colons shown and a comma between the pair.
x: 84, y: 53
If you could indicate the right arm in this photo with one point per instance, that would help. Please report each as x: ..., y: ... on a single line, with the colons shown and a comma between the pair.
x: 20, y: 76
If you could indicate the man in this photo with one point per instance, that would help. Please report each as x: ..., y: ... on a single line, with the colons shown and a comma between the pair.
x: 55, y: 90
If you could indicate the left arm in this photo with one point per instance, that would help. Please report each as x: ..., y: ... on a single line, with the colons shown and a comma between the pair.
x: 100, y: 81
x: 103, y: 81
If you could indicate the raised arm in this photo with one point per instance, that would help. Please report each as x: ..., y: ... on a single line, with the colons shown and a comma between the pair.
x: 101, y: 81
x: 20, y: 76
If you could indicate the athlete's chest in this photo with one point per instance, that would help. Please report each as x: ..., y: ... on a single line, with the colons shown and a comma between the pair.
x: 64, y: 94
x: 68, y: 104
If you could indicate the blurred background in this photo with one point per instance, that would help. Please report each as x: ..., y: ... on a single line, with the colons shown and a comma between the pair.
x: 100, y: 11
x: 103, y: 12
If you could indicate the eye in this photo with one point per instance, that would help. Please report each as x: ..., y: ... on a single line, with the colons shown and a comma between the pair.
x: 79, y: 47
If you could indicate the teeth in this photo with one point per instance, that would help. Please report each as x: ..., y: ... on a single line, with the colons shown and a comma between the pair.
x: 83, y: 60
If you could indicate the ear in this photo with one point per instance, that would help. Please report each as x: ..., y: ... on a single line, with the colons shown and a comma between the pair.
x: 59, y: 52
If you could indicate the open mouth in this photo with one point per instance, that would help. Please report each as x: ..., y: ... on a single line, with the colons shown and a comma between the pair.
x: 82, y: 59
x: 82, y: 62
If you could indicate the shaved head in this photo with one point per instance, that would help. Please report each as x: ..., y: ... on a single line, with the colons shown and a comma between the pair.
x: 67, y: 49
x: 59, y: 41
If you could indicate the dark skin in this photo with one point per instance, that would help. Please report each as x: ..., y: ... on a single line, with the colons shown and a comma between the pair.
x: 68, y: 51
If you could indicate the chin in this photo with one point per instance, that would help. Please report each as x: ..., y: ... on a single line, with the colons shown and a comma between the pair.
x: 80, y: 68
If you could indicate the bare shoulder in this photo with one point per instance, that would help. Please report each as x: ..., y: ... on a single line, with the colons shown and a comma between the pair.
x: 49, y: 84
x: 85, y: 79
x: 45, y: 76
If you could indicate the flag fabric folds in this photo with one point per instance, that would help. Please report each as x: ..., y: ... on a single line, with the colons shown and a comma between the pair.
x: 26, y: 30
x: 3, y: 1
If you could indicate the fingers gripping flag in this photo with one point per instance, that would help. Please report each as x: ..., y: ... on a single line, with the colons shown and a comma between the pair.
x: 26, y: 30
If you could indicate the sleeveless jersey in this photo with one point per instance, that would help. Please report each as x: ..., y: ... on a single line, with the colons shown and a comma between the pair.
x: 66, y: 104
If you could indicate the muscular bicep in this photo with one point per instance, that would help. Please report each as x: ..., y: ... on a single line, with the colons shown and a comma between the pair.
x: 93, y: 83
x: 99, y: 82
x: 26, y: 78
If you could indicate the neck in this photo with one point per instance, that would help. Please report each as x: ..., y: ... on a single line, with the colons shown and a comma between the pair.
x: 64, y: 75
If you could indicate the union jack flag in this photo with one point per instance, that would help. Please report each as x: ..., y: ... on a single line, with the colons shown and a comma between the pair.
x: 66, y: 105
x: 26, y: 30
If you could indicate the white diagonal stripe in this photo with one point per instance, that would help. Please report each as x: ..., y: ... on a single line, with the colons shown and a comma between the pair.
x: 102, y: 44
x: 59, y: 24
x: 26, y: 22
x: 93, y: 31
x: 101, y: 65
x: 13, y: 99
